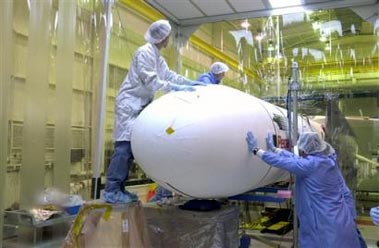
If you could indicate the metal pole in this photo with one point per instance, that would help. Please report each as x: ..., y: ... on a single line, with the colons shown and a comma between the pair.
x: 99, y: 143
x: 294, y: 88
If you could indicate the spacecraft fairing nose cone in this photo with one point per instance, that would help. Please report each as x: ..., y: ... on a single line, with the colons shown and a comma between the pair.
x: 194, y: 143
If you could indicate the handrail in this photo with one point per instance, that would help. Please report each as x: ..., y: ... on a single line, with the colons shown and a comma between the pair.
x: 361, y: 158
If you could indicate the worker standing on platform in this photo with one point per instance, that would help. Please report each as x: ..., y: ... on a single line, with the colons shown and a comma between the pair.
x: 215, y: 75
x: 148, y: 73
x: 324, y: 207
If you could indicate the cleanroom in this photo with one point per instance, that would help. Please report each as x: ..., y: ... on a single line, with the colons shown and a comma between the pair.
x: 151, y: 123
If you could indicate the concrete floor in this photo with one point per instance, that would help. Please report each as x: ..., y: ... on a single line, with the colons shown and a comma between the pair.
x: 369, y: 232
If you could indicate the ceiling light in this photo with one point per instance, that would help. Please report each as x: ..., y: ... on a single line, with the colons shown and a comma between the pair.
x: 352, y: 29
x: 280, y: 7
x: 245, y: 24
x: 328, y: 47
x: 316, y: 25
x: 259, y: 36
x: 287, y: 3
x: 270, y: 46
x: 323, y: 38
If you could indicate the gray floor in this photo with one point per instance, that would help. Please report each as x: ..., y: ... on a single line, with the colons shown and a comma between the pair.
x: 370, y: 234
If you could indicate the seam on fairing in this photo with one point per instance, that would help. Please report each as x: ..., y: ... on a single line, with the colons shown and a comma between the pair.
x: 272, y: 121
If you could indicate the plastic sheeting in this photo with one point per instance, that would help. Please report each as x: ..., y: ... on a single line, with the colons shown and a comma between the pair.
x: 105, y: 225
x: 173, y: 227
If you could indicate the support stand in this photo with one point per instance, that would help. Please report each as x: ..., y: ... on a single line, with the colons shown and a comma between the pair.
x: 292, y: 98
x: 99, y: 142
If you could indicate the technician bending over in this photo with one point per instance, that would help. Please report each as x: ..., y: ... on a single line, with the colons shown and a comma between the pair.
x: 324, y: 204
x: 148, y: 73
x: 215, y: 75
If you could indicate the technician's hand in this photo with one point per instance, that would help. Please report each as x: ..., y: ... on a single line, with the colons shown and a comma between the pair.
x: 374, y: 213
x: 252, y: 142
x: 182, y: 87
x: 270, y: 142
x: 198, y: 83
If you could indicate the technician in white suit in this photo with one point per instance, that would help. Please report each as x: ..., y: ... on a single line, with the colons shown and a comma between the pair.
x: 148, y: 73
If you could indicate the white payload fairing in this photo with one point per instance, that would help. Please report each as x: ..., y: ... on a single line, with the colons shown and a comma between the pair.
x: 194, y: 143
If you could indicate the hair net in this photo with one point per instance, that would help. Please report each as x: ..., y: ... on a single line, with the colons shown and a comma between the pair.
x: 158, y: 31
x: 218, y: 68
x: 311, y: 142
x: 329, y: 150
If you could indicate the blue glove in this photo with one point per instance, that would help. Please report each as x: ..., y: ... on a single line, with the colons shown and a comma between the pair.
x: 374, y: 213
x: 182, y: 87
x: 270, y: 142
x: 197, y: 83
x: 252, y: 142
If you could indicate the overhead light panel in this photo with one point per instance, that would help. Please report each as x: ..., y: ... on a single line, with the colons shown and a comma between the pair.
x: 259, y: 36
x: 280, y: 7
x: 270, y: 46
x: 245, y: 24
x: 328, y: 47
x: 316, y: 25
x: 282, y: 4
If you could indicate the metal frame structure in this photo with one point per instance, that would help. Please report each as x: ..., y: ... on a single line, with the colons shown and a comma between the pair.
x: 293, y: 89
x: 99, y: 152
x: 160, y: 5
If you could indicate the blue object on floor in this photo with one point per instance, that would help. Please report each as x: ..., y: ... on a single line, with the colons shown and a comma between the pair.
x: 161, y: 193
x: 73, y: 210
x: 244, y: 241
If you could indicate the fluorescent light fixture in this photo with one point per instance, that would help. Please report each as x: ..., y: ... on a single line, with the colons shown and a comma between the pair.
x: 316, y: 25
x: 259, y: 36
x: 281, y: 7
x: 323, y: 38
x: 352, y: 29
x: 270, y: 46
x: 284, y: 4
x: 328, y: 47
x: 245, y: 24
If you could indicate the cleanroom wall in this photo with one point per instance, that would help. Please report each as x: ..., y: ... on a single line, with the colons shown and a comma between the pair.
x: 6, y: 61
x: 261, y: 67
x: 50, y: 98
x: 48, y: 120
x: 54, y: 88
